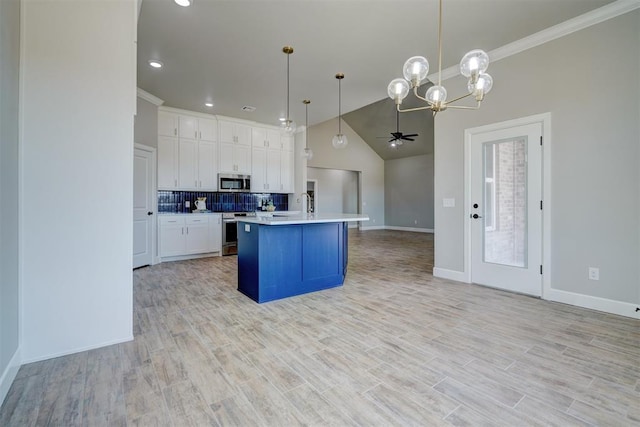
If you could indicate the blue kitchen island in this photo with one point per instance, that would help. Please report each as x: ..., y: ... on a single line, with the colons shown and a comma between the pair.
x: 283, y: 255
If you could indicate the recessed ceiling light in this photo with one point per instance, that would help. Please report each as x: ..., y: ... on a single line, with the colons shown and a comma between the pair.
x: 183, y: 3
x: 248, y: 108
x: 282, y: 119
x: 208, y: 104
x: 155, y: 64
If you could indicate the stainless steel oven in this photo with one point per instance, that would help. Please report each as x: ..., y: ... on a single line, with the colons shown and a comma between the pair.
x: 233, y: 183
x: 230, y: 231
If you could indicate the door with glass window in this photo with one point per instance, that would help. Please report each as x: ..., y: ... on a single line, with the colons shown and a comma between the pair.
x: 505, y: 211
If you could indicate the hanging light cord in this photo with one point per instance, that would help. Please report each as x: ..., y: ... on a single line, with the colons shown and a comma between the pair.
x: 339, y: 105
x: 288, y: 87
x: 440, y: 45
x: 306, y: 122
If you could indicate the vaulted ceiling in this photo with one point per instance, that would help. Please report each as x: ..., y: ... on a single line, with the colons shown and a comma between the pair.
x: 230, y: 53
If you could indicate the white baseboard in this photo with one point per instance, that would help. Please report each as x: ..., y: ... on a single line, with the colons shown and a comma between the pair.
x: 9, y: 375
x: 374, y: 227
x: 594, y: 303
x: 414, y: 229
x: 76, y: 350
x: 458, y: 276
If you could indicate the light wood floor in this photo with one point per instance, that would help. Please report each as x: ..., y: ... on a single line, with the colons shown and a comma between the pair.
x: 393, y: 346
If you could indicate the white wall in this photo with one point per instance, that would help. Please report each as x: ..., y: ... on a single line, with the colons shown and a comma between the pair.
x: 145, y: 130
x: 337, y: 190
x: 589, y: 83
x: 78, y: 99
x: 357, y: 156
x: 408, y: 188
x: 9, y: 170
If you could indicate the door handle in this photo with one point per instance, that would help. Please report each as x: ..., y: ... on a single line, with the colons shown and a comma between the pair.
x: 475, y: 216
x: 149, y: 213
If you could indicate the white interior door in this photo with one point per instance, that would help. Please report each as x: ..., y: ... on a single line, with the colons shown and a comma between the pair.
x: 143, y: 207
x: 506, y: 208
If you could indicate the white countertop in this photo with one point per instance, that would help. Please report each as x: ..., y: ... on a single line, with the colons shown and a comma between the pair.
x: 286, y: 218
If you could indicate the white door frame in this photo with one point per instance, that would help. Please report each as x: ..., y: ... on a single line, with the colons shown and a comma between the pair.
x: 154, y: 199
x: 545, y: 120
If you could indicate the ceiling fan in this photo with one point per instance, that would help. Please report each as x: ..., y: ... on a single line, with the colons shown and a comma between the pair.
x: 398, y: 137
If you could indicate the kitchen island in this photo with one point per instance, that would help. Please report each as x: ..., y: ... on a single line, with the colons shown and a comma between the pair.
x: 282, y: 255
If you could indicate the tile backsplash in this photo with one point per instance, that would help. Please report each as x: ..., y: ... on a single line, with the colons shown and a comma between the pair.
x: 173, y: 201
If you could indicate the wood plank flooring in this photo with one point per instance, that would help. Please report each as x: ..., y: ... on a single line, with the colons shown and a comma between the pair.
x: 393, y: 346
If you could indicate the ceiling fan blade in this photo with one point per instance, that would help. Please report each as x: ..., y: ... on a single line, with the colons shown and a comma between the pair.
x: 411, y: 135
x: 408, y: 139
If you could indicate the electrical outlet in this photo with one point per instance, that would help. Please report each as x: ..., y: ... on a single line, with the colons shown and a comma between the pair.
x: 594, y: 273
x: 187, y: 204
x: 415, y: 222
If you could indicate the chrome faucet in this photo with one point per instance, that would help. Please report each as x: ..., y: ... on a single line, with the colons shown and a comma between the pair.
x: 309, y: 207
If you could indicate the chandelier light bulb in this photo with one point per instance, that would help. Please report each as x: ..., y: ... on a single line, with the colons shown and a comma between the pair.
x: 474, y: 63
x: 339, y: 141
x: 436, y: 95
x: 415, y: 70
x: 481, y: 87
x: 398, y: 90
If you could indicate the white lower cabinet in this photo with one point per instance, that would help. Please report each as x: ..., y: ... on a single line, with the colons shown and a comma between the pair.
x: 189, y: 234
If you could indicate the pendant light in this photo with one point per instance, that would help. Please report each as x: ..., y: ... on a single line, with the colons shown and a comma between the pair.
x: 288, y: 126
x: 339, y: 140
x: 473, y: 65
x: 307, y: 153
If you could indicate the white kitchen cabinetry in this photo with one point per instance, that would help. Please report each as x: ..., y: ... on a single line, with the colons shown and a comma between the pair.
x: 167, y: 123
x: 265, y: 171
x: 187, y: 152
x: 286, y: 142
x: 286, y: 172
x: 167, y: 162
x: 235, y: 158
x: 265, y: 138
x: 189, y: 235
x: 234, y: 133
x: 235, y: 147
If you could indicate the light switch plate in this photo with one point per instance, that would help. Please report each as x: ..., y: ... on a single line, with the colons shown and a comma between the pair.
x: 247, y: 228
x: 448, y: 203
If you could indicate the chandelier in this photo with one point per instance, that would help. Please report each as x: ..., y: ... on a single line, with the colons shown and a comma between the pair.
x: 288, y: 126
x: 473, y: 65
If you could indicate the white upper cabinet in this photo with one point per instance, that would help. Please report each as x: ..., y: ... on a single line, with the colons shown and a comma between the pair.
x: 193, y: 148
x: 235, y: 133
x: 286, y: 142
x: 167, y: 124
x: 265, y: 138
x: 286, y: 172
x: 208, y: 129
x: 188, y: 127
x: 187, y: 152
x: 167, y: 162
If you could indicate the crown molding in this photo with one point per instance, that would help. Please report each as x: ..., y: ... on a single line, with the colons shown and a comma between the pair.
x: 148, y: 97
x: 596, y: 16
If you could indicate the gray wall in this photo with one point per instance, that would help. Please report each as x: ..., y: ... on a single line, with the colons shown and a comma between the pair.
x: 337, y: 190
x: 589, y: 82
x: 145, y: 130
x: 408, y: 192
x: 9, y: 77
x: 357, y: 156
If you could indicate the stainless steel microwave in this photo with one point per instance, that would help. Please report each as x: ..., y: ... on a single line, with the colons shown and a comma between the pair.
x: 233, y: 183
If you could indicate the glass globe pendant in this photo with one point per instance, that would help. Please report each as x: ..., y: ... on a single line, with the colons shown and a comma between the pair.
x: 339, y: 140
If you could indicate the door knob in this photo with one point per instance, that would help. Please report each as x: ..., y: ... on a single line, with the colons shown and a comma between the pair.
x: 149, y: 213
x: 475, y: 216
